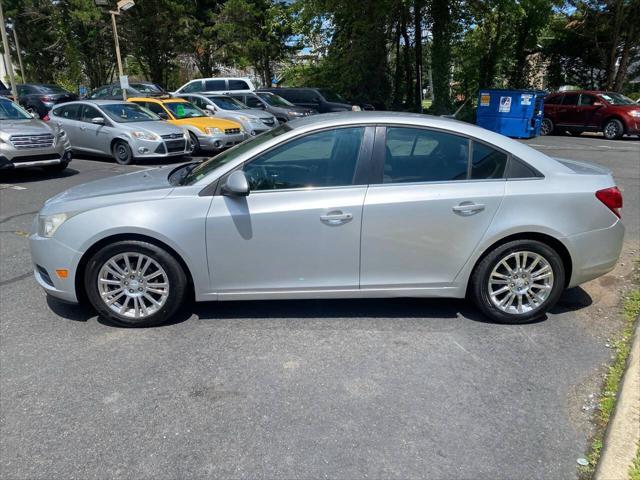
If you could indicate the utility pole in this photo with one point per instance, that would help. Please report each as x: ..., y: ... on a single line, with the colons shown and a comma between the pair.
x: 15, y: 38
x: 7, y: 54
x: 115, y: 37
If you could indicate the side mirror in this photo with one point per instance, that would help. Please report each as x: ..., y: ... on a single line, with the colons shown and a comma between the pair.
x: 163, y: 116
x: 598, y: 104
x: 236, y: 185
x: 212, y: 109
x: 97, y: 121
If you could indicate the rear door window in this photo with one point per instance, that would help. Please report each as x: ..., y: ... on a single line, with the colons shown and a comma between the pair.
x: 422, y: 155
x: 570, y: 99
x: 213, y: 85
x: 70, y: 112
x: 238, y: 85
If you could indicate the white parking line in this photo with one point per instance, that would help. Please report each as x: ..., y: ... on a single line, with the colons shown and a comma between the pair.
x: 4, y: 186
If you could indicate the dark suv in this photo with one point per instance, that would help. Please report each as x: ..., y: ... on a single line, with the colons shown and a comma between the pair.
x: 320, y: 99
x: 591, y: 111
x: 40, y: 98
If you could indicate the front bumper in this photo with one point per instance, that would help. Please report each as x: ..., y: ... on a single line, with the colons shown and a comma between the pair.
x: 159, y: 149
x: 595, y: 253
x: 633, y: 125
x: 49, y: 255
x: 221, y: 141
x: 35, y: 160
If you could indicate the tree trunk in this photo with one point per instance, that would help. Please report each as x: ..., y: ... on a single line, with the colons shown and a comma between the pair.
x: 613, y: 52
x: 441, y: 55
x: 417, y: 12
x: 406, y: 59
x: 397, y: 77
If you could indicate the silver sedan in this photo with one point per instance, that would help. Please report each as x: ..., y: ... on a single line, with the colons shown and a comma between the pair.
x: 367, y: 204
x: 122, y: 130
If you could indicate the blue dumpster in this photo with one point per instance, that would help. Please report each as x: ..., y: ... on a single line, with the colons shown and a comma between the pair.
x: 514, y: 113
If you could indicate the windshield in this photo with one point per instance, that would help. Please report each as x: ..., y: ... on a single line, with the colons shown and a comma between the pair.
x: 275, y: 100
x: 128, y: 113
x: 331, y: 96
x: 617, y: 99
x: 11, y: 111
x: 202, y: 170
x: 228, y: 103
x: 182, y: 110
x: 148, y: 88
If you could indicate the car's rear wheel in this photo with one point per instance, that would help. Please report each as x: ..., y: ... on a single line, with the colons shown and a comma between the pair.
x: 135, y: 284
x: 122, y: 152
x: 546, y: 128
x: 518, y: 282
x: 613, y: 129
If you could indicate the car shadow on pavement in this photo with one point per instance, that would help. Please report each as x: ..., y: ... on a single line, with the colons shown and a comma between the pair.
x: 33, y: 174
x: 344, y: 309
x: 140, y: 162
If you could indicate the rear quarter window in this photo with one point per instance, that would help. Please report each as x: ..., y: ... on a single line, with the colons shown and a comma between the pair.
x: 238, y: 85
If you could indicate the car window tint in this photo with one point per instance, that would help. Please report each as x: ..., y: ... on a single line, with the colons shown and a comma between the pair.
x: 193, y: 87
x: 101, y: 92
x: 487, y: 162
x: 323, y: 159
x: 89, y: 112
x: 238, y: 85
x: 70, y: 112
x: 210, y: 85
x: 253, y: 102
x: 519, y: 169
x: 555, y: 100
x: 154, y: 107
x: 571, y: 99
x: 420, y: 155
x: 587, y: 99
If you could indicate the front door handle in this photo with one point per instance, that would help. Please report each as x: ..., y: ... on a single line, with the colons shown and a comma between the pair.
x: 468, y: 208
x: 336, y: 217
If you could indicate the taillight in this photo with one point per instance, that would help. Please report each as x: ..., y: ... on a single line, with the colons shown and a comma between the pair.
x: 45, y: 118
x: 612, y: 198
x: 46, y: 98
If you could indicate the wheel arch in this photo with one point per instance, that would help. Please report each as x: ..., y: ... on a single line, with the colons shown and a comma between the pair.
x: 81, y: 294
x: 118, y: 139
x: 548, y: 240
x: 614, y: 116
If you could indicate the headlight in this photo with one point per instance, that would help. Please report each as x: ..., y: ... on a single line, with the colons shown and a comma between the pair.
x: 185, y: 132
x: 355, y: 108
x: 48, y: 224
x: 635, y: 113
x: 145, y: 136
x: 295, y: 114
x: 212, y: 130
x: 255, y: 121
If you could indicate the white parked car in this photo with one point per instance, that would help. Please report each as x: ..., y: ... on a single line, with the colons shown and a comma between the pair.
x: 217, y: 85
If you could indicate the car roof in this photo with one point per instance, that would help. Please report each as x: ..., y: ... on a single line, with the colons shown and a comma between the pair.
x: 93, y: 101
x: 159, y: 100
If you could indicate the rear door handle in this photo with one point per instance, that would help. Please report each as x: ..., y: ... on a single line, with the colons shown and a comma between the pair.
x: 468, y: 208
x: 336, y: 218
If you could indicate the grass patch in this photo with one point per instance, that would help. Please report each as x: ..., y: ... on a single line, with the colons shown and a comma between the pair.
x: 634, y: 471
x: 611, y: 384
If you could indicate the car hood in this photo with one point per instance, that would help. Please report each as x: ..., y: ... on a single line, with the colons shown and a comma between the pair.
x: 130, y: 187
x: 202, y: 122
x: 159, y: 127
x: 29, y: 126
x: 254, y: 112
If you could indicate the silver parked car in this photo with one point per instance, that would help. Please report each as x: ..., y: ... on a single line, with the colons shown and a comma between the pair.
x: 367, y: 204
x: 119, y: 129
x: 253, y: 121
x: 29, y: 142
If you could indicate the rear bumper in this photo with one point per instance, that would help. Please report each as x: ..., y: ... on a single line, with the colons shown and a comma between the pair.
x: 42, y: 160
x: 595, y: 253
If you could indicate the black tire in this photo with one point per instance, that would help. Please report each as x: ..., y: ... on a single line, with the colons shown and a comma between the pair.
x: 480, y: 289
x: 122, y: 152
x: 613, y: 129
x: 175, y: 276
x: 194, y: 144
x: 59, y: 168
x: 547, y: 127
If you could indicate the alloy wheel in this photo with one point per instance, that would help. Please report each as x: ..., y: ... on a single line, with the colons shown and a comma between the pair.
x: 545, y: 128
x: 133, y: 285
x: 520, y: 282
x: 612, y: 130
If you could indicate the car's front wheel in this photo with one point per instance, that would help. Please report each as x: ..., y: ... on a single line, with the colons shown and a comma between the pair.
x: 194, y: 144
x: 135, y: 284
x: 613, y: 129
x: 122, y: 152
x: 518, y: 281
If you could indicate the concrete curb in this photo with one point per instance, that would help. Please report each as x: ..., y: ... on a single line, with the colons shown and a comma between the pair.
x: 623, y: 433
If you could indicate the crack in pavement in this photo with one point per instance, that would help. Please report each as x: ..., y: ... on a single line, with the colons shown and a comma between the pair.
x: 15, y: 279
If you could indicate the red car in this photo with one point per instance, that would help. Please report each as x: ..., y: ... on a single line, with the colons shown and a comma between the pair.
x: 580, y: 111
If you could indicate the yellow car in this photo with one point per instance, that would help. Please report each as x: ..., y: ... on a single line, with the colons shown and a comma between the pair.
x: 206, y: 133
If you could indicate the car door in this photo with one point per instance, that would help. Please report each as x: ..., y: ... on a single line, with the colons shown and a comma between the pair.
x: 93, y: 137
x: 299, y: 228
x: 435, y: 196
x: 568, y: 113
x: 590, y: 114
x: 67, y: 117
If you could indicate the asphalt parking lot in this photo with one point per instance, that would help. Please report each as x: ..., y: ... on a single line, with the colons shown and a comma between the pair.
x: 300, y: 389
